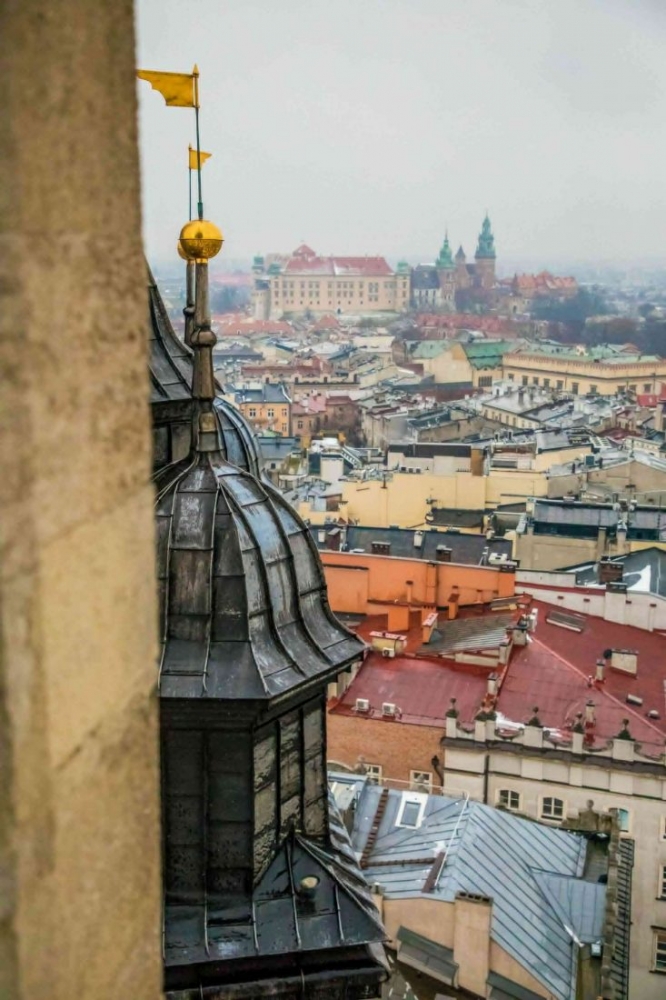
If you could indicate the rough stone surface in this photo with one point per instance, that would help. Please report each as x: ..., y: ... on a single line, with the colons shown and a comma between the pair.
x: 79, y: 806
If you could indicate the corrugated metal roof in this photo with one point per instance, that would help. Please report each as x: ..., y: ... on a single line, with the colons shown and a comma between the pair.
x: 490, y: 853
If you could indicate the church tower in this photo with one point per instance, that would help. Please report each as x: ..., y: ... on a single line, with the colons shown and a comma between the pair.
x: 446, y: 270
x: 485, y: 256
x: 262, y: 893
x: 463, y: 279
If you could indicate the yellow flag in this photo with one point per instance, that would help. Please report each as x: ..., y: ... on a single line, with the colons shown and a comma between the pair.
x: 193, y: 158
x: 177, y: 89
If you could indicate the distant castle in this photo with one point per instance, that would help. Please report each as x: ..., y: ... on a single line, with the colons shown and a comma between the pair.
x: 449, y: 279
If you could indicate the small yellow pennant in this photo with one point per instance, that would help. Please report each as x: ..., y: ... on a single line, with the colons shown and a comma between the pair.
x: 193, y: 158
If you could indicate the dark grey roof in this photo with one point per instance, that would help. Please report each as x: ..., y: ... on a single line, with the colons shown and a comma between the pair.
x: 550, y: 512
x: 466, y: 549
x: 239, y: 444
x: 425, y: 276
x: 170, y: 362
x: 427, y: 449
x: 341, y: 913
x: 456, y: 518
x: 487, y: 852
x: 243, y: 607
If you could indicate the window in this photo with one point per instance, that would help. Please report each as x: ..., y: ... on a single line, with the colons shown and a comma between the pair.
x: 485, y: 381
x: 535, y: 380
x: 574, y: 388
x: 524, y: 379
x: 252, y: 412
x: 421, y: 780
x: 546, y: 383
x: 508, y: 799
x: 593, y: 389
x: 647, y: 387
x: 552, y: 808
x: 510, y: 376
x: 633, y: 388
x: 623, y: 819
x: 270, y: 413
x: 411, y: 810
x: 300, y: 425
x: 374, y: 773
x: 659, y: 961
x: 560, y: 384
x: 661, y: 888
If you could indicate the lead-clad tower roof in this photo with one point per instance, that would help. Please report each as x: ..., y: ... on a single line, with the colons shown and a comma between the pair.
x: 243, y: 612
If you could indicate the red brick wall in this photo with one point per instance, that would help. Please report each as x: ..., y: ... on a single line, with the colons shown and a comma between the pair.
x: 399, y: 747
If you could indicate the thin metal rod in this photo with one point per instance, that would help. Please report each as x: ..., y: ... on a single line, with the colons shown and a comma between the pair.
x: 196, y: 116
x: 189, y: 174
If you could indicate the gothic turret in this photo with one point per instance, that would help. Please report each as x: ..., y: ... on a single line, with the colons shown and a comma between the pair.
x: 262, y: 894
x: 445, y: 259
x: 485, y: 257
x: 486, y: 245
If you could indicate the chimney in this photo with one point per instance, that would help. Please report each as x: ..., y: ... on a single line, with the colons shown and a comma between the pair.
x: 590, y: 715
x: 492, y: 684
x: 409, y: 584
x: 443, y: 553
x: 599, y: 672
x: 609, y: 571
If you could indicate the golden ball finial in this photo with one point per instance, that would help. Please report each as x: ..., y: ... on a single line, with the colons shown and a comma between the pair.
x: 199, y: 241
x: 181, y: 252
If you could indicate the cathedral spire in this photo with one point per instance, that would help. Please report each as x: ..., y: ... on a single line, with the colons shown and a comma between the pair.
x: 486, y: 245
x: 445, y: 258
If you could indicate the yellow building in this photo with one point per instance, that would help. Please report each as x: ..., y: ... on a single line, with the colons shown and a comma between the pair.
x: 602, y: 370
x: 338, y: 285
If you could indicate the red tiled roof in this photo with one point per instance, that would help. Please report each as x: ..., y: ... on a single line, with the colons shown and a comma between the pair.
x: 421, y: 689
x: 554, y: 671
x: 649, y: 399
x: 339, y: 266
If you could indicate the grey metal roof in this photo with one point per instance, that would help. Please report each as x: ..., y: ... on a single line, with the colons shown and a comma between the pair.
x: 644, y: 571
x: 243, y: 606
x: 465, y: 548
x: 469, y: 633
x: 491, y: 853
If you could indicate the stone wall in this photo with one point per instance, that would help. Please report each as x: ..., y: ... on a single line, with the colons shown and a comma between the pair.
x: 79, y: 807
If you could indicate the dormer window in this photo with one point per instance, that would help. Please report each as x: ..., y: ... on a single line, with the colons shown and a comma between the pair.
x: 412, y: 807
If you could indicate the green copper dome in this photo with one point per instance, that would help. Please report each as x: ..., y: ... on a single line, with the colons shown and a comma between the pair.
x: 486, y: 245
x: 445, y: 260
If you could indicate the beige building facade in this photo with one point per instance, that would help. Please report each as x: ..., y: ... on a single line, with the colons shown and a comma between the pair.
x: 79, y: 792
x: 582, y: 376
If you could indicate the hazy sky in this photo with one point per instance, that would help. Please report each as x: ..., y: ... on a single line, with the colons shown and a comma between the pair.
x: 369, y: 126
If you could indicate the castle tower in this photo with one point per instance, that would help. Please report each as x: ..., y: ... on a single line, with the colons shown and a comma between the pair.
x: 485, y: 256
x: 262, y: 895
x: 446, y: 269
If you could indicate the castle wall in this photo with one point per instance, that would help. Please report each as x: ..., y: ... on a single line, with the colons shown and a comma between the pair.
x: 79, y: 808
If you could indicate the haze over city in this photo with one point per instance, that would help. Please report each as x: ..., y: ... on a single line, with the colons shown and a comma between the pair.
x: 370, y: 127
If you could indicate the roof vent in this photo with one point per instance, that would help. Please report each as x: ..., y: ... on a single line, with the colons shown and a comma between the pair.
x: 388, y: 708
x: 380, y: 548
x: 362, y: 705
x: 388, y: 654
